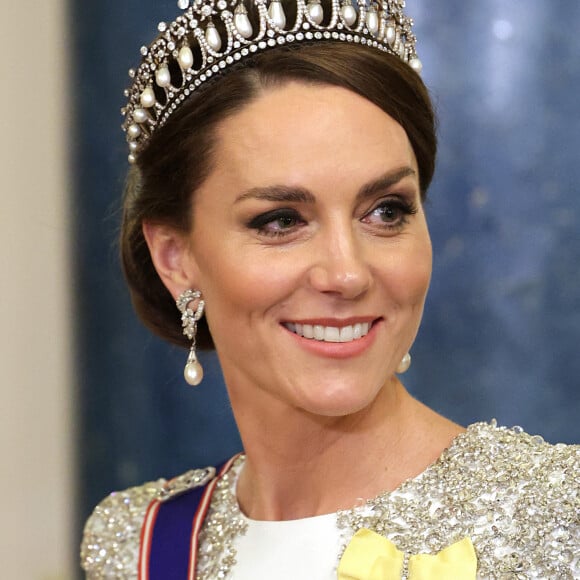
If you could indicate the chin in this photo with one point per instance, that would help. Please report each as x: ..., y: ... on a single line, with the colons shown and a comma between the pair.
x: 339, y: 402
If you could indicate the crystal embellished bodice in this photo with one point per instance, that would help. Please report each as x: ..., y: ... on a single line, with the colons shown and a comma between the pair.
x: 516, y: 497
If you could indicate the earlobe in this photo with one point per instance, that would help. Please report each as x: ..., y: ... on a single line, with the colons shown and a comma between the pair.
x: 171, y: 257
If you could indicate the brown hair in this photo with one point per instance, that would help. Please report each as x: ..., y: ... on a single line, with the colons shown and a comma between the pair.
x: 161, y: 186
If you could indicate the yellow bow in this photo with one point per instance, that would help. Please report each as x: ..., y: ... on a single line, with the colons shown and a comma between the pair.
x: 370, y: 556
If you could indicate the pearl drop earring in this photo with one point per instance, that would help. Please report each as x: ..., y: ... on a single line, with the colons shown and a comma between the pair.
x: 193, y: 372
x: 404, y: 364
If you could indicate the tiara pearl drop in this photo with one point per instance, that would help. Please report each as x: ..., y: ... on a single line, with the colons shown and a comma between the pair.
x: 211, y: 36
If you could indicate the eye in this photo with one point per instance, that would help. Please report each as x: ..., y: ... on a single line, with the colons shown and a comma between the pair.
x: 278, y: 222
x: 390, y: 213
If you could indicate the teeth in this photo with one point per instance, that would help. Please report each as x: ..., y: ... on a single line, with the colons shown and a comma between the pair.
x: 330, y: 333
x: 346, y: 333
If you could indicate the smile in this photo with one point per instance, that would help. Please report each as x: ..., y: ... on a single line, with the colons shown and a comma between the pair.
x: 330, y: 333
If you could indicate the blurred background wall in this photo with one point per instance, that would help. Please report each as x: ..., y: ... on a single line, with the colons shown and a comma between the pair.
x: 37, y: 498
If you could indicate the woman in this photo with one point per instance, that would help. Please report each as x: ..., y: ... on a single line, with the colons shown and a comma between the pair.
x: 281, y: 157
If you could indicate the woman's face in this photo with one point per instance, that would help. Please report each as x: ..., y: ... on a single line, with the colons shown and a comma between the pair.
x: 311, y: 248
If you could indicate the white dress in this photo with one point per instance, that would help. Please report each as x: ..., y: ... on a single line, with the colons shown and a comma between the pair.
x: 516, y: 497
x: 310, y: 549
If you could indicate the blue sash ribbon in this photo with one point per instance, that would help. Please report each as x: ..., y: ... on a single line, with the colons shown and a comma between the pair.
x: 171, y: 542
x: 170, y: 532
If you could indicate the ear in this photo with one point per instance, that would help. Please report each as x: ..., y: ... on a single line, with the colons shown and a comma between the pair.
x: 171, y: 257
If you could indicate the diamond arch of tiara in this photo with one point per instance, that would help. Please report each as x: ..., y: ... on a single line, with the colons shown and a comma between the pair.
x: 212, y: 35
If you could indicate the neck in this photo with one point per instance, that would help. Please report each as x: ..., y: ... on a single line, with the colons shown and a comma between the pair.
x: 300, y: 465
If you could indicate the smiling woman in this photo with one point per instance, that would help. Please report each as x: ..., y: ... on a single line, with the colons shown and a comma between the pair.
x: 190, y: 137
x: 326, y: 244
x: 284, y: 199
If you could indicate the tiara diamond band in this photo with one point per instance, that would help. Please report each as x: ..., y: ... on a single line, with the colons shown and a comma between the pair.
x: 211, y: 35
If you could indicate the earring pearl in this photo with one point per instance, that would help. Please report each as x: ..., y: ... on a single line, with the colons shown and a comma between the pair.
x: 193, y: 373
x: 404, y: 364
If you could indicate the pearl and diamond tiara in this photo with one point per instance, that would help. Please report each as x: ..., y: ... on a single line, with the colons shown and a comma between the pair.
x: 212, y: 35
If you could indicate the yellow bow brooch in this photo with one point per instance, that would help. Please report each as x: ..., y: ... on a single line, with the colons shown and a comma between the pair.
x: 370, y: 556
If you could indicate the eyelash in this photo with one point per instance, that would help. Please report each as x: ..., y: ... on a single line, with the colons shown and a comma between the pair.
x: 262, y: 222
x: 400, y: 207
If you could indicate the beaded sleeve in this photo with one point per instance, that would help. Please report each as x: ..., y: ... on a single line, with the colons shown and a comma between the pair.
x: 110, y: 546
x: 515, y: 496
x: 111, y: 541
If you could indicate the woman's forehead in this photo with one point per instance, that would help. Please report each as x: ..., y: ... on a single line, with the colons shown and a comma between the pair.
x: 327, y: 141
x: 311, y: 124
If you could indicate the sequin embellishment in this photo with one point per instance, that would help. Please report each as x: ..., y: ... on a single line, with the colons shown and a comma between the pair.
x: 514, y: 495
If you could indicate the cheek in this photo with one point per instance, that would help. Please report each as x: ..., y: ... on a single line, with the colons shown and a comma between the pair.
x: 411, y: 275
x: 241, y: 282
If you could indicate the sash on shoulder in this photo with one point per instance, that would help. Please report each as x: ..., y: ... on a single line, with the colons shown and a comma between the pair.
x: 170, y: 532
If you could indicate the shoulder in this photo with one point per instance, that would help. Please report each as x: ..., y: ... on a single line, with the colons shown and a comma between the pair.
x: 511, y: 463
x: 527, y: 489
x: 523, y: 457
x: 110, y: 545
x: 111, y: 538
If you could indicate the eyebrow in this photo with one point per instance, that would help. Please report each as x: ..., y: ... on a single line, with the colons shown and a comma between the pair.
x: 297, y: 194
x: 278, y: 193
x: 384, y: 182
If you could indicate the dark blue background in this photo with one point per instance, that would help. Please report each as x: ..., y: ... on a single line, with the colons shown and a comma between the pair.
x: 501, y: 333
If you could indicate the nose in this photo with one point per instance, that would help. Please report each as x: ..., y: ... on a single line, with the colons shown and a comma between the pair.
x: 339, y: 266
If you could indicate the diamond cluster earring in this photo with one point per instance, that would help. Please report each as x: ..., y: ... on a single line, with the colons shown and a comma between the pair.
x: 193, y: 372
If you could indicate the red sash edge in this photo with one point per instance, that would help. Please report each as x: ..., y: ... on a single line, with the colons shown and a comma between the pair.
x: 146, y: 537
x: 199, y: 517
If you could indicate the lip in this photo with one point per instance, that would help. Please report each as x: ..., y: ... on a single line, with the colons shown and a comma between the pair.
x: 336, y: 350
x: 339, y: 322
